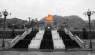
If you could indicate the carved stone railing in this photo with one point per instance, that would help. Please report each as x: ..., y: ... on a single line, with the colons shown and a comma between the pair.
x: 19, y: 37
x: 29, y: 30
x: 80, y: 42
x: 15, y: 40
x: 69, y: 33
x: 76, y: 38
x: 24, y: 34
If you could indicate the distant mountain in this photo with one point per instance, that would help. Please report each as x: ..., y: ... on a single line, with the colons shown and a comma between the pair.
x: 56, y: 19
x: 73, y: 20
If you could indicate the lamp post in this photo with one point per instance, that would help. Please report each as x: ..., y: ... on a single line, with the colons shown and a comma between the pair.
x: 89, y: 13
x: 32, y: 23
x: 36, y: 23
x: 13, y: 34
x: 0, y: 14
x: 29, y: 21
x: 5, y: 13
x: 67, y: 22
x: 24, y: 26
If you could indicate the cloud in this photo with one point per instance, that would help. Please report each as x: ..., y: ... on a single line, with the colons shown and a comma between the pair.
x: 40, y: 8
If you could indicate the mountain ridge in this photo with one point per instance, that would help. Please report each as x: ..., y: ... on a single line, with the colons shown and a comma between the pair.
x: 73, y: 20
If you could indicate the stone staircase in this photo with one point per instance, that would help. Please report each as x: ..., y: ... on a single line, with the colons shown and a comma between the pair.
x: 69, y: 43
x: 47, y: 42
x: 26, y: 41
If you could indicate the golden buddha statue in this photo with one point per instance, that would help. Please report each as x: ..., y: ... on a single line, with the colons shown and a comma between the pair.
x: 48, y: 18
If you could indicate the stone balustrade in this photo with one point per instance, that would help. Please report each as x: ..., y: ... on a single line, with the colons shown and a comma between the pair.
x: 76, y: 38
x: 19, y: 37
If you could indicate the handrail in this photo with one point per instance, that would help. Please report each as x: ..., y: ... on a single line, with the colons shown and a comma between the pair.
x: 80, y: 42
x: 69, y: 33
x: 14, y: 41
x: 24, y: 34
x: 79, y: 39
x: 29, y: 30
x: 19, y: 37
x: 66, y: 31
x: 76, y: 38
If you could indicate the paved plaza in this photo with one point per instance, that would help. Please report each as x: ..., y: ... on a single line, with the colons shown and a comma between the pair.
x: 45, y: 53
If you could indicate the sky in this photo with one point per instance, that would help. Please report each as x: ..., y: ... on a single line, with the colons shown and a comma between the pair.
x: 24, y: 9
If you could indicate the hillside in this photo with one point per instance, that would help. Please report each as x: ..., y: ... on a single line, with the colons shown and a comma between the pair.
x: 73, y: 20
x: 10, y: 22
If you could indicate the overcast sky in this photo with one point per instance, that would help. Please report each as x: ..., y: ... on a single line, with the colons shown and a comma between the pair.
x: 40, y: 8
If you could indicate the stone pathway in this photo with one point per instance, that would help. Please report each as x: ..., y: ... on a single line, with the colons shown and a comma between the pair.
x: 45, y: 53
x: 6, y: 41
x: 57, y: 41
x: 87, y: 42
x: 35, y: 43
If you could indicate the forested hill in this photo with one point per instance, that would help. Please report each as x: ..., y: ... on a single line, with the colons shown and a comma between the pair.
x: 73, y: 20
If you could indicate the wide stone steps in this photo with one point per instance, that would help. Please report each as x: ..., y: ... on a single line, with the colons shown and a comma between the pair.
x: 47, y: 39
x: 26, y: 41
x: 47, y: 42
x: 57, y: 41
x: 35, y: 43
x: 22, y: 44
x: 69, y: 43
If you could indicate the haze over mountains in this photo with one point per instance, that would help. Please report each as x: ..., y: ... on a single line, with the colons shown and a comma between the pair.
x: 73, y: 20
